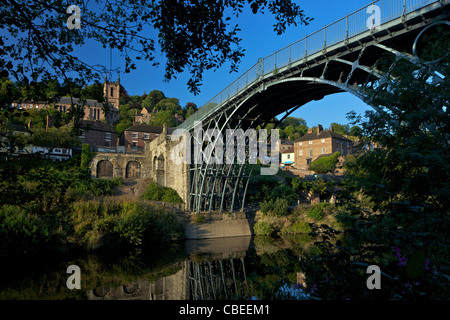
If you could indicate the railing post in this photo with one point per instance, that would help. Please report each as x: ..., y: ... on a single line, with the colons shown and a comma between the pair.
x: 306, y: 46
x: 346, y: 31
x: 325, y: 37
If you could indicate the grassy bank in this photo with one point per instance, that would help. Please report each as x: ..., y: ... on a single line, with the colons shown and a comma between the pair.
x: 88, y: 225
x: 299, y: 221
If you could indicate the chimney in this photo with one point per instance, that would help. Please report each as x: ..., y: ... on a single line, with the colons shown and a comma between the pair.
x: 331, y: 129
x: 310, y: 130
x: 319, y: 128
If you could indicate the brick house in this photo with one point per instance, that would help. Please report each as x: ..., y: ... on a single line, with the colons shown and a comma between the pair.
x: 97, y: 134
x: 135, y: 136
x: 319, y: 142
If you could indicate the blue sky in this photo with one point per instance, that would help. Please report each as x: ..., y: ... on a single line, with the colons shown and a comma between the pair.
x: 259, y: 40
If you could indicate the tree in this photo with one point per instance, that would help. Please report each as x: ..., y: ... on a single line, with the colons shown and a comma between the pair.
x: 35, y: 45
x: 152, y: 99
x: 54, y: 138
x: 340, y: 128
x: 403, y: 228
x: 93, y: 91
x: 163, y: 117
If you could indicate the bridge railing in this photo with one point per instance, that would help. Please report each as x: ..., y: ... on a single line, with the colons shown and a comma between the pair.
x: 351, y: 25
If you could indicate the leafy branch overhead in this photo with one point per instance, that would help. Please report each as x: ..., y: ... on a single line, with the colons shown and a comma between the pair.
x: 194, y: 36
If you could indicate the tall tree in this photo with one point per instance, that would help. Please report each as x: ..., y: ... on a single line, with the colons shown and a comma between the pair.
x: 403, y: 228
x: 34, y: 43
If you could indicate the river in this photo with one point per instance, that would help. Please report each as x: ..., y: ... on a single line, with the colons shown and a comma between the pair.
x: 242, y: 268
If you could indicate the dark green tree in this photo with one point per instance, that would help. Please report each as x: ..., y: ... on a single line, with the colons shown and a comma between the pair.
x: 403, y: 228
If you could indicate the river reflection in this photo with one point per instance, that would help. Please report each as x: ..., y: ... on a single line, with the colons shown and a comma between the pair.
x: 215, y: 269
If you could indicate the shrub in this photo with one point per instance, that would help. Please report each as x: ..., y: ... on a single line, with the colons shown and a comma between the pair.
x: 300, y: 227
x: 324, y: 164
x: 278, y: 207
x: 266, y: 206
x: 262, y: 228
x: 20, y: 231
x: 157, y: 193
x: 316, y: 212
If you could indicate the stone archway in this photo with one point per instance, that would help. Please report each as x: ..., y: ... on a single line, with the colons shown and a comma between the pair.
x: 158, y: 164
x: 104, y: 169
x: 133, y: 170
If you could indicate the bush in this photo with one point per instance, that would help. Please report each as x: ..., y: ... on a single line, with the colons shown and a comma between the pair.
x: 262, y: 228
x: 278, y: 207
x: 300, y: 227
x: 20, y: 231
x: 316, y: 212
x: 324, y: 164
x: 122, y: 224
x: 157, y: 193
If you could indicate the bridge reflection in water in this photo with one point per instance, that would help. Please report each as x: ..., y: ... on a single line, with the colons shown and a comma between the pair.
x: 214, y: 270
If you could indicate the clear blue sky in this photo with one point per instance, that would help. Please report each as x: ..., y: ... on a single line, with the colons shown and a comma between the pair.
x: 259, y: 40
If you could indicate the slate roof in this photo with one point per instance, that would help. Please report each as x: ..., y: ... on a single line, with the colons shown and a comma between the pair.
x: 95, y: 125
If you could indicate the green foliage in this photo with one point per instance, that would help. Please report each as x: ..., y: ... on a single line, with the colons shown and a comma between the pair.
x: 278, y: 206
x: 122, y: 225
x: 403, y: 225
x: 21, y: 231
x: 262, y: 228
x: 86, y: 156
x: 157, y: 193
x: 324, y: 164
x: 298, y: 227
x: 317, y: 211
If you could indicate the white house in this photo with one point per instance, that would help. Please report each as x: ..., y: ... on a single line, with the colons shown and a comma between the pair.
x: 287, y: 157
x: 54, y: 153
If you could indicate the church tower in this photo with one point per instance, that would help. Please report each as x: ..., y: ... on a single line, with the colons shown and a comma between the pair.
x: 111, y: 92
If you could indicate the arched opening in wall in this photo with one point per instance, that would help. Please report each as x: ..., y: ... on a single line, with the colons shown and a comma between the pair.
x: 159, y: 169
x: 133, y: 170
x: 104, y: 169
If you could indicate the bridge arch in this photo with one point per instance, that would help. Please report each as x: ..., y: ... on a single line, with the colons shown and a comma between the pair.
x: 345, y: 65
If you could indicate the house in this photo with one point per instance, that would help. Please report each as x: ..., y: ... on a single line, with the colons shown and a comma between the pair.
x: 97, y: 134
x: 135, y: 136
x: 319, y: 142
x: 287, y: 157
x: 144, y: 116
x: 285, y: 144
x: 54, y: 153
x: 93, y: 110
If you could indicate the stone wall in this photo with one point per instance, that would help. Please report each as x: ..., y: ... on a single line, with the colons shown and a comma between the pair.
x: 155, y: 163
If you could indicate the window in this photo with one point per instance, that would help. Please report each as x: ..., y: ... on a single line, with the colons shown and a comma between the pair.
x: 300, y: 153
x: 310, y: 153
x: 108, y: 135
x: 309, y: 142
x: 146, y: 136
x: 112, y: 92
x: 288, y: 156
x: 134, y: 145
x: 323, y: 140
x: 300, y: 143
x: 134, y: 135
x: 323, y: 150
